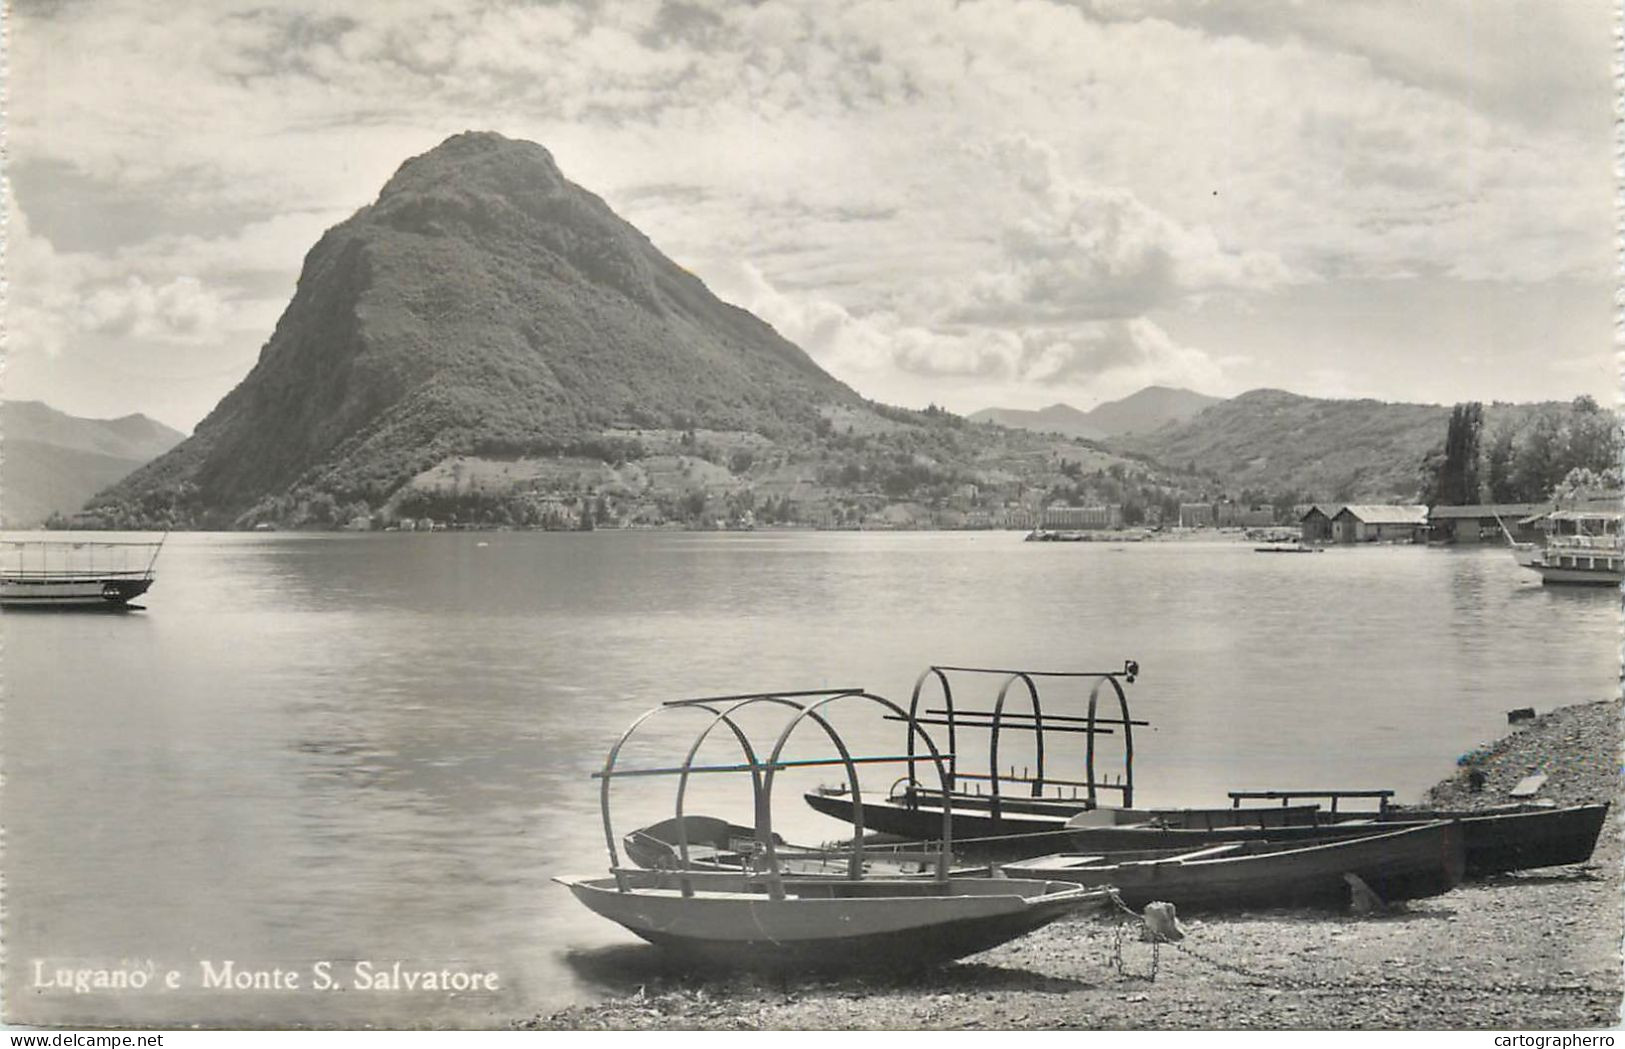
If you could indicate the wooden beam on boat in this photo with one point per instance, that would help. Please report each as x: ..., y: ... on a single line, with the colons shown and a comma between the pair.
x: 1017, y: 727
x: 1285, y: 796
x: 1036, y: 673
x: 765, y: 765
x: 1024, y: 779
x: 1029, y: 714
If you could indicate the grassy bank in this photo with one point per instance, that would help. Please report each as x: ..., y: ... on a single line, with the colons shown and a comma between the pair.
x: 1526, y: 950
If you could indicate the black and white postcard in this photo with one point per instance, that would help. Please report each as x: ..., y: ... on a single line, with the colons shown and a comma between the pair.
x: 858, y: 514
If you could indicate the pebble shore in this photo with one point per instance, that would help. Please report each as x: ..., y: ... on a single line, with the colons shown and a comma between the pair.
x: 1525, y: 951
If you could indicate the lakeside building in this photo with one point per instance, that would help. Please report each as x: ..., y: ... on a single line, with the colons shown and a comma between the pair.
x: 1197, y: 515
x: 1109, y: 516
x: 1235, y: 515
x: 1015, y: 517
x: 1483, y: 523
x: 1226, y: 514
x: 1315, y: 522
x: 1373, y: 524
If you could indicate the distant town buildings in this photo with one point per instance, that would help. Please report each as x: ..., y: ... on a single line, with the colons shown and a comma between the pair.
x: 1226, y: 514
x: 1197, y: 515
x: 1075, y: 517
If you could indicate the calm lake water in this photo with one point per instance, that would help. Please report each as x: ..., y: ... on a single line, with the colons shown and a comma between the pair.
x: 379, y: 747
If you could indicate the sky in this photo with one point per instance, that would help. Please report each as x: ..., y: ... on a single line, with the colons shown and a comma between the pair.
x: 978, y: 203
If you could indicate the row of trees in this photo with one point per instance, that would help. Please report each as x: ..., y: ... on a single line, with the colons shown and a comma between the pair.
x: 1555, y: 449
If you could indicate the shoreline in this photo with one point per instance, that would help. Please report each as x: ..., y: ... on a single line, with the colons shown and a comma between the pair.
x: 1530, y: 949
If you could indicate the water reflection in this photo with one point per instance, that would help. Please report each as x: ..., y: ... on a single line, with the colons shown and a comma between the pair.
x: 381, y: 746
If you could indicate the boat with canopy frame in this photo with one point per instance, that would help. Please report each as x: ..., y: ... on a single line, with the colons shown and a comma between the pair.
x: 993, y: 823
x: 770, y: 918
x: 76, y: 573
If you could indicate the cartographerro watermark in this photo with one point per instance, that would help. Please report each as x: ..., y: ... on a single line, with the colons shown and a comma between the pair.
x: 230, y: 975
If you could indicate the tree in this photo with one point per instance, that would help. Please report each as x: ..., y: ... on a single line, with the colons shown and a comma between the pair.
x: 1539, y: 464
x: 1498, y: 460
x: 1457, y: 483
x: 1583, y: 481
x: 1593, y: 438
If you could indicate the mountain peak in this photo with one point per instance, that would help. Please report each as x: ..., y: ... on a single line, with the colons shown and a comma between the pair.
x: 483, y: 301
x: 478, y: 160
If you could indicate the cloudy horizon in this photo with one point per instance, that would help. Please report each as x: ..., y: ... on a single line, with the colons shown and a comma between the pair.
x: 1003, y: 203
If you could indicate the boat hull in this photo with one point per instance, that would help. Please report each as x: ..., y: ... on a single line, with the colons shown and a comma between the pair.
x: 1496, y: 843
x: 71, y: 592
x: 1031, y: 833
x: 1578, y: 576
x: 731, y: 921
x: 1406, y: 864
x: 1027, y: 827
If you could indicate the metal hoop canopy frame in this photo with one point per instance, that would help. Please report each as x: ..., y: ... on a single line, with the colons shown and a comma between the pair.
x: 807, y: 705
x: 998, y: 719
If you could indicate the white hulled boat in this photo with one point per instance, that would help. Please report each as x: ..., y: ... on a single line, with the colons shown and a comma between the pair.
x: 70, y: 573
x: 1582, y: 546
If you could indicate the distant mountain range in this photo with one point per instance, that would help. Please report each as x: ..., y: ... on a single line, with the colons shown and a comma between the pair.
x: 1310, y: 448
x: 51, y: 462
x: 1142, y: 412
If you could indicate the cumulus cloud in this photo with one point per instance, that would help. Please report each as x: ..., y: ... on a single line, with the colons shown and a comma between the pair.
x: 1026, y: 173
x: 181, y: 309
x: 1083, y: 252
x: 55, y: 297
x: 1081, y: 357
x: 1137, y: 348
x: 960, y: 355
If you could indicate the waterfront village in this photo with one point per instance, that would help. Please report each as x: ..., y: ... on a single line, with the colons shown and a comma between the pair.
x: 1308, y: 523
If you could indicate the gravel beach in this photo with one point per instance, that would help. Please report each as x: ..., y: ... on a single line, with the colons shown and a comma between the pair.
x: 1532, y: 950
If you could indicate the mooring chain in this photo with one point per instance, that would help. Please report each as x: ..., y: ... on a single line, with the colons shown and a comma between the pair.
x: 1400, y: 985
x: 1295, y: 983
x: 1117, y: 956
x: 1117, y: 944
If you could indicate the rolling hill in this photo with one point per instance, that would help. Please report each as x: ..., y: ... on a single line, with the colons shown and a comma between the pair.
x: 51, y: 462
x: 1310, y: 448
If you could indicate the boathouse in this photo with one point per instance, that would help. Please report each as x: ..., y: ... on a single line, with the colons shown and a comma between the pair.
x: 1482, y: 523
x: 1380, y: 524
x: 1315, y: 523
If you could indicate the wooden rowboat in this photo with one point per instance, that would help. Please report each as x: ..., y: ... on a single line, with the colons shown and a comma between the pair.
x: 1496, y: 842
x: 1403, y: 864
x: 1027, y: 827
x: 737, y: 921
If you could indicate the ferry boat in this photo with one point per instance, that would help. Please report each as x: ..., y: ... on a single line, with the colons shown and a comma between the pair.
x: 1582, y: 547
x: 69, y: 573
